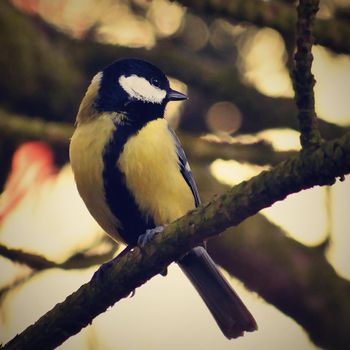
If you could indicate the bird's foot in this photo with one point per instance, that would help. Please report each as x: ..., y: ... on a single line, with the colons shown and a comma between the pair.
x: 148, y: 236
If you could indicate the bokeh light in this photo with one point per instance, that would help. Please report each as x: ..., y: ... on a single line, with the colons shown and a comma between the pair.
x: 224, y: 117
x: 231, y: 172
x: 262, y: 62
x: 166, y: 24
x: 194, y: 33
x: 293, y: 214
x: 339, y: 250
x: 140, y: 32
x: 332, y: 91
x: 281, y: 139
x: 51, y: 220
x: 224, y: 35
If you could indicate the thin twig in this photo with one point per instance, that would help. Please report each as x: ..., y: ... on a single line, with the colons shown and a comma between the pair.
x: 303, y: 78
x: 38, y: 262
x: 34, y: 261
x: 16, y: 283
x: 21, y: 126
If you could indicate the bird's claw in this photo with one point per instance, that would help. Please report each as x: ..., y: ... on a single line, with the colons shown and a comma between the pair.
x: 148, y: 236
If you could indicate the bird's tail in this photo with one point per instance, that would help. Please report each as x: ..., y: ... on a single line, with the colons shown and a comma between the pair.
x: 225, y: 305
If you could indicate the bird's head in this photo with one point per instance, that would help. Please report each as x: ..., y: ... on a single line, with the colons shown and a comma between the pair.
x: 133, y: 87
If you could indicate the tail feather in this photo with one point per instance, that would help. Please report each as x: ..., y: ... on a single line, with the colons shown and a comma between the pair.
x: 225, y: 305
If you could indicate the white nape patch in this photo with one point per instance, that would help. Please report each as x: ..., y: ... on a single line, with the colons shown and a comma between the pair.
x: 141, y: 89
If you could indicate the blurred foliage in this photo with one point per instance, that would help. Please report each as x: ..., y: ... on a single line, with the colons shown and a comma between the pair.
x: 52, y: 69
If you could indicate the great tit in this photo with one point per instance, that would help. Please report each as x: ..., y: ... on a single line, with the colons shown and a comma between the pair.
x: 133, y: 175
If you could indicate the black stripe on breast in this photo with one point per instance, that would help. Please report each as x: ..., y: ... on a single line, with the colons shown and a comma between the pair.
x: 119, y: 199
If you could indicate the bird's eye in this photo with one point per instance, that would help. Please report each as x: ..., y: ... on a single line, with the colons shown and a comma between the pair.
x: 155, y: 82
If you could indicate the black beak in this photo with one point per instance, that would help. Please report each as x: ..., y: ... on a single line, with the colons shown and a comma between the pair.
x: 173, y: 95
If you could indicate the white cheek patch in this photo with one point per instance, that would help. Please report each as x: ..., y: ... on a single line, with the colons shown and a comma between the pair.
x: 141, y: 89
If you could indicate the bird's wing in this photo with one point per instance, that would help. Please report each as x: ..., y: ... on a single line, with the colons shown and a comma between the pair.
x: 185, y: 168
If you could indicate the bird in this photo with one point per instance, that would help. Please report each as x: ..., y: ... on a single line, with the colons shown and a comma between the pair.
x: 133, y: 175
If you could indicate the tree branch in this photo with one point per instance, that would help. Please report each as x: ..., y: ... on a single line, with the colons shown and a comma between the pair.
x: 198, y: 149
x: 303, y: 79
x: 332, y: 33
x: 131, y: 270
x: 203, y: 150
x: 38, y: 262
x: 16, y: 283
x: 34, y: 128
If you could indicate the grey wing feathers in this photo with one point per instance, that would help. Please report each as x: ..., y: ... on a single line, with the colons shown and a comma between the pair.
x: 185, y: 168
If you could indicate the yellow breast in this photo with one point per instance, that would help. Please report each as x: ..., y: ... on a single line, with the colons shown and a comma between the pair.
x: 150, y: 164
x: 86, y: 157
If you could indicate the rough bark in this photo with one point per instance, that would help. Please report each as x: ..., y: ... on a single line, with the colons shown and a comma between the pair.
x: 303, y: 78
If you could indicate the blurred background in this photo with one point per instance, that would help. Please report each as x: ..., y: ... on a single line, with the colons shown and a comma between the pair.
x: 290, y: 263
